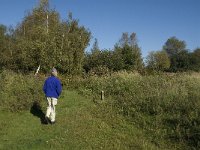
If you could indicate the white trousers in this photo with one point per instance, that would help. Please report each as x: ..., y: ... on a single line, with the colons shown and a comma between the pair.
x: 51, y: 110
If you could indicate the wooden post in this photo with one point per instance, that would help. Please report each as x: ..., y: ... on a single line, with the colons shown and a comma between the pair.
x: 102, y: 95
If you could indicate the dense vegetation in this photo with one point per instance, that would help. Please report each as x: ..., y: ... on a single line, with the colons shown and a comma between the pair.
x: 18, y: 92
x: 166, y: 107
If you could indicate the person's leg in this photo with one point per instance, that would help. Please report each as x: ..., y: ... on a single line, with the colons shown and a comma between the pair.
x: 48, y: 112
x: 53, y: 109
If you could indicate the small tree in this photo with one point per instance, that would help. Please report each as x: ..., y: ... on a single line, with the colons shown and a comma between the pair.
x: 176, y: 50
x: 158, y: 61
x: 130, y: 52
x: 173, y: 46
x: 92, y: 59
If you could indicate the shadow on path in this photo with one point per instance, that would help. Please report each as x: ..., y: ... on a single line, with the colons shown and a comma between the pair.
x: 37, y: 111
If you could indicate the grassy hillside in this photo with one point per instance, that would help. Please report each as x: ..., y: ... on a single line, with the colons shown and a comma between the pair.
x: 81, y: 124
x: 164, y: 106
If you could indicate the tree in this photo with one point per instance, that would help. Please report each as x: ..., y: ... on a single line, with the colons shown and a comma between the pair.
x: 124, y: 40
x: 178, y: 54
x: 195, y: 60
x: 42, y: 39
x: 95, y: 47
x: 3, y: 44
x: 6, y: 47
x: 181, y: 62
x: 173, y: 46
x: 130, y: 52
x: 76, y: 39
x: 117, y: 59
x: 92, y: 59
x: 158, y: 61
x: 36, y: 40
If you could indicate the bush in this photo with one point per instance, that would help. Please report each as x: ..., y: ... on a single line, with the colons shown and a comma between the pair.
x: 18, y: 92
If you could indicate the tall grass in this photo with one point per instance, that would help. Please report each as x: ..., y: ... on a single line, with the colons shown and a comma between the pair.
x: 164, y: 106
x: 18, y: 92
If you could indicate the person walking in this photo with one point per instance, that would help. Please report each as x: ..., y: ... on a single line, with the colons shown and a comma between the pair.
x: 52, y: 89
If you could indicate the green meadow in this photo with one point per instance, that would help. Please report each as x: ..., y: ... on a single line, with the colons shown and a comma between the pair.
x: 138, y: 112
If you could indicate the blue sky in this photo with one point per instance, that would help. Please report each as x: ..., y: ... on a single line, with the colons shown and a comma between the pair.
x: 154, y: 21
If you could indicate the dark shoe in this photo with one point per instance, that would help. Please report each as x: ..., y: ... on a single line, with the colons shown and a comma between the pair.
x: 44, y: 121
x: 47, y: 120
x: 53, y: 122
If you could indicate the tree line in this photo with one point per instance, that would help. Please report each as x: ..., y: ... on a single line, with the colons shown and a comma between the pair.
x: 174, y: 57
x: 41, y: 38
x: 126, y: 55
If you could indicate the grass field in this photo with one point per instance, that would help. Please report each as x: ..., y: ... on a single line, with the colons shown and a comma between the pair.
x: 139, y: 112
x: 164, y: 106
x: 81, y: 124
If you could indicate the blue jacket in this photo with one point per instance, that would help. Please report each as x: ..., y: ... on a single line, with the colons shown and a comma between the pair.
x: 52, y: 87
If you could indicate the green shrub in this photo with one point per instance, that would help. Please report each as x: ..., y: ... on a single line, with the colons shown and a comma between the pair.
x: 18, y: 92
